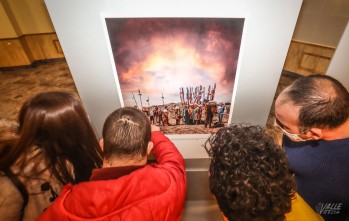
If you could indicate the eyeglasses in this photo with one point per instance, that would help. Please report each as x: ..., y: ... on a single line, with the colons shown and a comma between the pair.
x: 293, y: 137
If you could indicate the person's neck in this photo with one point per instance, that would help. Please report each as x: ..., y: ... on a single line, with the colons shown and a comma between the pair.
x: 122, y: 162
x: 340, y: 132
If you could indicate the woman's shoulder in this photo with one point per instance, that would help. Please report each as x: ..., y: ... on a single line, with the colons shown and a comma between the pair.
x: 41, y: 188
x: 8, y: 189
x: 11, y: 200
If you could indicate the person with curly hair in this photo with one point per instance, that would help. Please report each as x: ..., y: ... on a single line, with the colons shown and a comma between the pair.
x: 250, y: 178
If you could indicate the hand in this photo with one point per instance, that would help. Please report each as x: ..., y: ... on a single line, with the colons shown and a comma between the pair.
x: 154, y: 128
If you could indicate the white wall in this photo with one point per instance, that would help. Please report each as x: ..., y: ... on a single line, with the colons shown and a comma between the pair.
x: 339, y: 66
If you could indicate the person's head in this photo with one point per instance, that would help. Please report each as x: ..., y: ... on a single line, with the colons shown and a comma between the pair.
x: 126, y: 136
x: 56, y: 124
x: 310, y: 105
x: 249, y: 174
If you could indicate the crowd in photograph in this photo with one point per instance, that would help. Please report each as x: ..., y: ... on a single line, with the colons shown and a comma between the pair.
x: 210, y: 113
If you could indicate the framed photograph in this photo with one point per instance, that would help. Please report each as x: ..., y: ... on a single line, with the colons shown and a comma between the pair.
x: 98, y: 39
x: 179, y: 71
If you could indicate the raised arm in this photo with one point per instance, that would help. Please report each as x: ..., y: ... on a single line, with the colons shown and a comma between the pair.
x: 165, y: 151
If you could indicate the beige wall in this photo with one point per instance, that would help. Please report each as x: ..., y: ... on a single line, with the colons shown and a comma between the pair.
x: 322, y: 22
x: 30, y: 16
x: 318, y: 31
x: 6, y: 30
x: 26, y: 33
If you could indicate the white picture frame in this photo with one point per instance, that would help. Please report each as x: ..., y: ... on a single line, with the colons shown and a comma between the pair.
x: 268, y: 30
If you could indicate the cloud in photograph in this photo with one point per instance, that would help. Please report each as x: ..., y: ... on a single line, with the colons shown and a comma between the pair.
x: 160, y: 55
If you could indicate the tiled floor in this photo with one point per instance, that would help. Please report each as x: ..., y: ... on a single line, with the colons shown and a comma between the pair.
x: 19, y: 84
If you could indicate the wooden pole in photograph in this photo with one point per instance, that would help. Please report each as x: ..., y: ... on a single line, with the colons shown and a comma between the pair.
x: 134, y: 99
x: 140, y: 97
x: 213, y: 92
x: 208, y: 92
x: 163, y: 103
x: 181, y: 95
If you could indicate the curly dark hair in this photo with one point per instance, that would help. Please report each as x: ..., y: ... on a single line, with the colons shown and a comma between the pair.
x: 249, y: 174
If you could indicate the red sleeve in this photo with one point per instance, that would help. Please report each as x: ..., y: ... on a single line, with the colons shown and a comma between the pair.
x: 166, y: 153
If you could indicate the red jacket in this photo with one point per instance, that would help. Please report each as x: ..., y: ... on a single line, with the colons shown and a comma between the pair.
x: 154, y: 192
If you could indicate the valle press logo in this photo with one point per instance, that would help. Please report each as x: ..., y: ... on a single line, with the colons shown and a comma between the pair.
x: 329, y: 208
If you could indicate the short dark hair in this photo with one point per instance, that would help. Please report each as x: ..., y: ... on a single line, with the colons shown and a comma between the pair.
x: 249, y: 174
x: 323, y: 101
x: 126, y: 133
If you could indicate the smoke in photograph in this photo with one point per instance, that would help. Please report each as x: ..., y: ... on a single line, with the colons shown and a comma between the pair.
x: 158, y: 56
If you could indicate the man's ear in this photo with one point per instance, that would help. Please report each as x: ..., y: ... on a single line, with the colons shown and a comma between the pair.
x: 316, y: 133
x: 150, y: 147
x: 101, y: 144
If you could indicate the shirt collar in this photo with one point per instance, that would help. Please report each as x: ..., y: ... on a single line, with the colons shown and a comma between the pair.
x: 109, y: 173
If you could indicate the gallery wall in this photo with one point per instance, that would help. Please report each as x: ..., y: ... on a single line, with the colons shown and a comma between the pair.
x: 339, y: 67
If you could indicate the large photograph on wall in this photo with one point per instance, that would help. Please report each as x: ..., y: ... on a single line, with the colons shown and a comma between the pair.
x: 178, y: 71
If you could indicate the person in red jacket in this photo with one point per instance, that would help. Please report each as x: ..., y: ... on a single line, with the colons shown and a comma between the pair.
x: 127, y: 188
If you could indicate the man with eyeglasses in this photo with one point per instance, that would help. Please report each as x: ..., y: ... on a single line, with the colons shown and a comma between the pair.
x: 313, y: 116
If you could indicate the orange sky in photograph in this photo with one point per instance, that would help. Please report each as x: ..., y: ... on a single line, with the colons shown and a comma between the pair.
x: 159, y: 56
